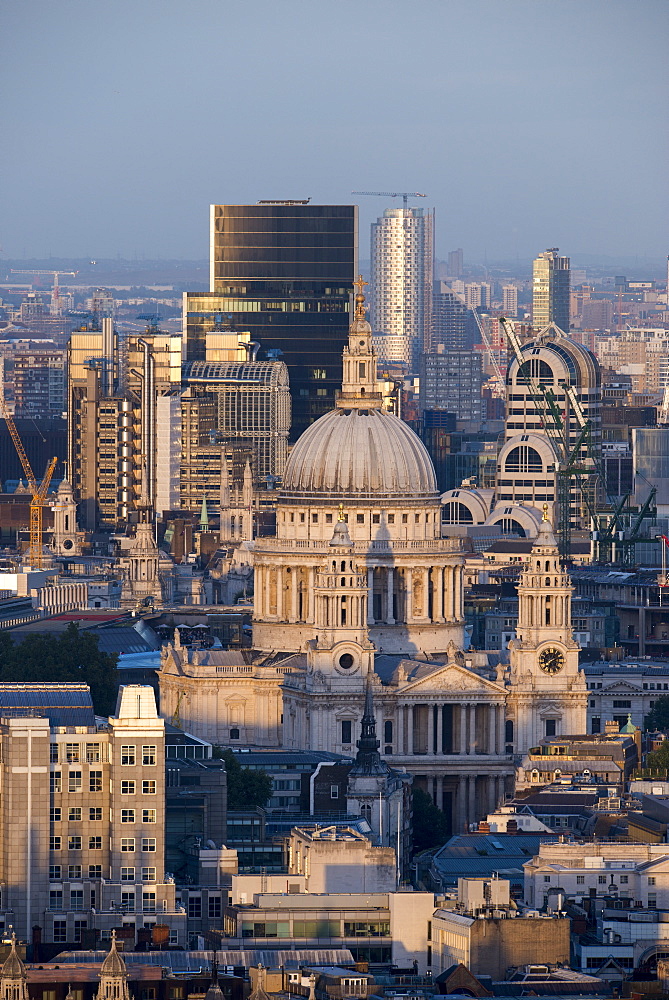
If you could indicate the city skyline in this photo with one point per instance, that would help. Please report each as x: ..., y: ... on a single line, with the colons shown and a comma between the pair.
x: 505, y: 118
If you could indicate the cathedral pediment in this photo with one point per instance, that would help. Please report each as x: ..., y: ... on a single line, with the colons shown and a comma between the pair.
x: 451, y: 677
x: 622, y: 687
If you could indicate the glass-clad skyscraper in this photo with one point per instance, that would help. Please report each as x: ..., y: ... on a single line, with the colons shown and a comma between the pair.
x: 284, y: 271
x: 550, y: 290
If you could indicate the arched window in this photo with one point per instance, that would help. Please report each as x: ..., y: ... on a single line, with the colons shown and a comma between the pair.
x: 234, y: 734
x: 535, y: 368
x: 523, y: 458
x: 508, y: 731
x: 455, y: 512
x: 510, y: 526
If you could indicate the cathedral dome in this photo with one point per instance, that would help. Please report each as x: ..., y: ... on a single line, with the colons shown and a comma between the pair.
x: 354, y: 453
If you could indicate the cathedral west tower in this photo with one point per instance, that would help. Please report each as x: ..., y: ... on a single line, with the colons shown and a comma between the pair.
x: 547, y: 693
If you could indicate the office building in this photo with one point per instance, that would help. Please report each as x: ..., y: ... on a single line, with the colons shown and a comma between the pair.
x: 451, y: 380
x: 401, y: 284
x: 509, y: 301
x: 550, y: 290
x: 82, y: 814
x: 283, y: 271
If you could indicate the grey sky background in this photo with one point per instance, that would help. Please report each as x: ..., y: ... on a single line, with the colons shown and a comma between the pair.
x: 528, y: 123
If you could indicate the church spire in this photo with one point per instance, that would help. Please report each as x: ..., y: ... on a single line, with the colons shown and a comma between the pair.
x: 368, y: 758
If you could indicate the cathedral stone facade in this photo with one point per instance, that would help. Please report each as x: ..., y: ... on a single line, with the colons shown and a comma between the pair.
x: 358, y: 596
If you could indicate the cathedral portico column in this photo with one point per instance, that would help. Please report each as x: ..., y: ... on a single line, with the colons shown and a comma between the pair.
x: 471, y: 799
x: 491, y: 791
x: 492, y: 729
x: 390, y: 582
x: 500, y: 790
x: 370, y: 595
x: 440, y: 728
x: 501, y: 728
x: 471, y: 745
x: 462, y: 718
x: 410, y: 729
x: 293, y: 617
x: 399, y: 730
x: 440, y: 793
x: 426, y: 593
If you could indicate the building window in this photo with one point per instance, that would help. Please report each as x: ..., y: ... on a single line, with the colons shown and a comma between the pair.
x: 149, y: 755
x: 346, y: 731
x: 56, y: 814
x: 360, y: 518
x: 74, y: 871
x: 53, y: 753
x: 388, y: 731
x: 59, y: 933
x: 602, y: 880
x: 149, y: 815
x: 95, y: 781
x: 93, y: 753
x: 127, y: 874
x: 148, y: 844
x: 72, y: 753
x: 194, y: 906
x: 596, y: 724
x: 74, y: 843
x: 624, y: 879
x: 149, y: 902
x: 651, y: 880
x: 547, y: 878
x: 79, y: 927
x: 74, y: 781
x: 334, y: 791
x: 551, y: 727
x: 95, y: 871
x: 55, y: 872
x: 148, y: 874
x: 580, y: 880
x: 148, y: 787
x: 127, y: 788
x: 215, y: 909
x: 95, y: 814
x: 127, y: 815
x: 234, y: 734
x: 128, y: 899
x: 95, y: 843
x: 74, y: 814
x: 76, y: 899
x: 55, y: 843
x: 127, y: 755
x: 55, y: 899
x: 56, y: 781
x: 127, y: 844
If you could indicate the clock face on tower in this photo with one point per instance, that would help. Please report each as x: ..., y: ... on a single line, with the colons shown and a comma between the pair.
x: 551, y: 660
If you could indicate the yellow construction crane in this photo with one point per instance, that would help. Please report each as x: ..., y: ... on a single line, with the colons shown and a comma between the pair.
x: 39, y: 491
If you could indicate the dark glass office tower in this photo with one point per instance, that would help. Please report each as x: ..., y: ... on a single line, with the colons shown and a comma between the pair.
x: 284, y: 271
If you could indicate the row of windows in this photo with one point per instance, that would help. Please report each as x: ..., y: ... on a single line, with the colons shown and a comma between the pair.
x: 75, y: 814
x: 314, y: 928
x: 56, y: 872
x: 360, y: 518
x: 75, y: 843
x: 75, y: 783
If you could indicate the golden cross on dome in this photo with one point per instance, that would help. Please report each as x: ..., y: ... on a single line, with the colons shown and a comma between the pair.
x: 360, y: 284
x: 341, y: 513
x: 545, y: 517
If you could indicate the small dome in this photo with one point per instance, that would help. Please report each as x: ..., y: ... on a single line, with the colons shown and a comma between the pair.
x: 359, y: 454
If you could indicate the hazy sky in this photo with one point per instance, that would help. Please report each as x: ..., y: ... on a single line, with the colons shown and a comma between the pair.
x: 529, y: 123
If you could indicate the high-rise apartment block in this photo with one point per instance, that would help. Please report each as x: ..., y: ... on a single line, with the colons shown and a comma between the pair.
x: 550, y: 290
x: 456, y: 263
x: 283, y: 270
x: 510, y: 301
x: 452, y: 322
x: 401, y: 293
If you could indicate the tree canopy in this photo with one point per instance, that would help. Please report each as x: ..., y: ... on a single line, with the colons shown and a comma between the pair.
x: 429, y: 823
x: 659, y: 759
x: 246, y: 787
x: 73, y: 656
x: 658, y: 717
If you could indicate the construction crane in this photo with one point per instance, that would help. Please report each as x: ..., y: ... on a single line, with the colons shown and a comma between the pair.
x: 404, y: 195
x: 39, y: 491
x: 498, y: 388
x: 55, y: 291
